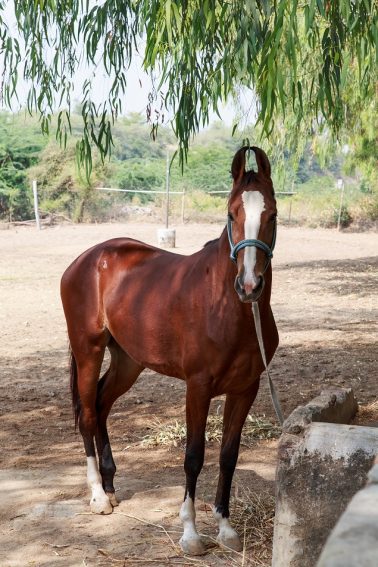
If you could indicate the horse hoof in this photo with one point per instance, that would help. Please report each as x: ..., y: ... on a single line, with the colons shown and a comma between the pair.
x: 231, y: 541
x: 101, y: 505
x: 112, y: 499
x: 192, y: 546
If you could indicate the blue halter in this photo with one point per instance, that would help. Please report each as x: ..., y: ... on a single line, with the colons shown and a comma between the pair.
x: 235, y: 248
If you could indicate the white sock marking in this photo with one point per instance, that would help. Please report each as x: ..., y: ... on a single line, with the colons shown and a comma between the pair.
x: 253, y: 202
x: 99, y: 498
x: 188, y: 518
x: 225, y: 530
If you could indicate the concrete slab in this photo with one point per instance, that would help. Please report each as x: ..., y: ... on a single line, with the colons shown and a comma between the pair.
x: 354, y: 540
x: 317, y: 475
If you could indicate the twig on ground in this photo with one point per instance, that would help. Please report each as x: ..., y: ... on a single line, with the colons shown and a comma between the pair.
x: 158, y: 526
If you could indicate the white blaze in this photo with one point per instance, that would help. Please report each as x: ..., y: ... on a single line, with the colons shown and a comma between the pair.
x: 253, y: 202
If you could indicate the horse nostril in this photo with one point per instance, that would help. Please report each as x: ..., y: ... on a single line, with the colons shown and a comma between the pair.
x: 238, y: 285
x: 257, y: 283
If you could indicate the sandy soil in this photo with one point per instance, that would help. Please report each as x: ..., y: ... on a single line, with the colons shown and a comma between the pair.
x: 325, y: 303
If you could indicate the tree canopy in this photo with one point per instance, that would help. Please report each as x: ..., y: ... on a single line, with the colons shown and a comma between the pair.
x: 297, y: 58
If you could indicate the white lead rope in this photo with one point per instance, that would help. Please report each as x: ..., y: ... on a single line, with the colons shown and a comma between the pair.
x: 273, y: 392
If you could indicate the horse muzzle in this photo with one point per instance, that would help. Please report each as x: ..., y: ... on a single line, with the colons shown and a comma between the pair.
x: 249, y: 296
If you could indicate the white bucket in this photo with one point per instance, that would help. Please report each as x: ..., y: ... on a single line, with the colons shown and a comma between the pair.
x: 166, y: 237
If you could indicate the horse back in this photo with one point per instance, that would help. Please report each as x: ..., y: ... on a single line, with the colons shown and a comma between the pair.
x: 93, y: 272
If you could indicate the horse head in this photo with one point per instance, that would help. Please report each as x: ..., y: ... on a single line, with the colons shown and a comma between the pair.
x: 251, y: 223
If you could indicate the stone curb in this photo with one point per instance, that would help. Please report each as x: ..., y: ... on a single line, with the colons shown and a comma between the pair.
x: 354, y: 540
x: 322, y: 463
x: 332, y: 406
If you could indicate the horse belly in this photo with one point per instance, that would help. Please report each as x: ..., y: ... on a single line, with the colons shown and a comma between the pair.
x: 146, y: 324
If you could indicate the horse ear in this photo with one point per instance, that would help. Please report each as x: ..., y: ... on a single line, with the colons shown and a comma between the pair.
x: 263, y: 164
x: 238, y: 164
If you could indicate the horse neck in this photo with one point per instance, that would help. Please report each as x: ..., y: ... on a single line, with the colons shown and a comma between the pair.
x: 224, y: 274
x: 226, y: 270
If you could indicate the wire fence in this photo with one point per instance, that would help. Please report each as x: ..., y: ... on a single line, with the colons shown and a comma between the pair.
x: 168, y: 193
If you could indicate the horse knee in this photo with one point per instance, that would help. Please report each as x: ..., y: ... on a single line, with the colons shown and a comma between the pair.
x: 87, y: 423
x: 193, y: 462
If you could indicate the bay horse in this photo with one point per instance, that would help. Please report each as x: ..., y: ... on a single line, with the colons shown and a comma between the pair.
x: 183, y: 316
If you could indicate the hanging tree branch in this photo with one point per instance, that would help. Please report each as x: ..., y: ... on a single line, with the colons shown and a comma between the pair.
x: 297, y: 57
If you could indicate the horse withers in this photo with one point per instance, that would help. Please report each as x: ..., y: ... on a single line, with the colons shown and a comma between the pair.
x: 183, y: 316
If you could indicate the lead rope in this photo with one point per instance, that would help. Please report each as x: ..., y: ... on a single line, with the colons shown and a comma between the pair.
x: 272, y: 389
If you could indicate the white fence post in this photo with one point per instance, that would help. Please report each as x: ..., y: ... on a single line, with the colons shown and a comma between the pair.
x: 340, y: 185
x: 183, y: 207
x: 167, y: 191
x: 35, y: 197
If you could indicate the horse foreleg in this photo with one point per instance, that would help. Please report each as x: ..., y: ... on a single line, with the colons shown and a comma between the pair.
x: 235, y: 412
x: 119, y: 378
x: 197, y: 407
x: 88, y: 370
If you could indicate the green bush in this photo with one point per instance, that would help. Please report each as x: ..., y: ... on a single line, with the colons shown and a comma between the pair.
x: 345, y: 217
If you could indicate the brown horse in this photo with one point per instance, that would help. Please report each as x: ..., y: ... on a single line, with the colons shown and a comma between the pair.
x: 180, y: 316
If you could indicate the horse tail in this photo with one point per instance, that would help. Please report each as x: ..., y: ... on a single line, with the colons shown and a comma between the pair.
x: 74, y: 388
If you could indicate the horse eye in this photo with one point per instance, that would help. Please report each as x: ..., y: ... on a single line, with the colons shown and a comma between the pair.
x: 273, y: 218
x: 230, y: 217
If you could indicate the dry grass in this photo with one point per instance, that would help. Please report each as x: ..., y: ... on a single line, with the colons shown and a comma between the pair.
x: 366, y: 414
x: 174, y: 433
x: 252, y: 515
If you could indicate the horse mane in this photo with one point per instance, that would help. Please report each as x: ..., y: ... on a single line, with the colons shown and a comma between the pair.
x: 248, y: 177
x: 211, y: 242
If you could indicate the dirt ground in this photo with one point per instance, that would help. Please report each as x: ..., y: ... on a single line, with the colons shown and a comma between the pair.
x: 325, y: 303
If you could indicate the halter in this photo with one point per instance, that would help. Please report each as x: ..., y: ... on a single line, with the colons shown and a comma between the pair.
x: 235, y: 248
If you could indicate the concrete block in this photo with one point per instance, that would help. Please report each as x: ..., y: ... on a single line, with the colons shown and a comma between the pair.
x: 354, y: 540
x: 337, y: 405
x: 166, y: 237
x: 318, y: 473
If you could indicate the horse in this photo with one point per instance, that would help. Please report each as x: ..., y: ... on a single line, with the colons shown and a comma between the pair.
x: 187, y: 317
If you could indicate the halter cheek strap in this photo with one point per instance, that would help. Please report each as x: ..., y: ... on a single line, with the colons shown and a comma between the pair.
x: 235, y: 248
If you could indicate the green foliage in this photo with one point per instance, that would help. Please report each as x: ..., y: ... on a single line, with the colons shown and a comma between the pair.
x: 345, y: 216
x: 138, y: 174
x: 296, y: 58
x: 20, y: 144
x: 207, y: 204
x: 362, y: 158
x: 140, y: 163
x: 208, y: 167
x: 62, y: 188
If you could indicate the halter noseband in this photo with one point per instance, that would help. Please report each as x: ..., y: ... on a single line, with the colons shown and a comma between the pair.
x: 235, y: 248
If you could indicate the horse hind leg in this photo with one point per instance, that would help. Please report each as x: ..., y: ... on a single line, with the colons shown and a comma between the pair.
x: 85, y: 371
x: 118, y: 379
